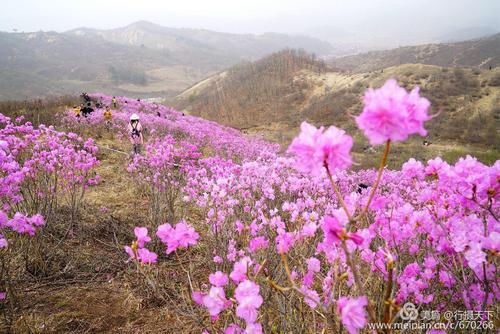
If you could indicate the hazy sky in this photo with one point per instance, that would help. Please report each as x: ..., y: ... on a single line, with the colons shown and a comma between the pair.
x: 390, y: 17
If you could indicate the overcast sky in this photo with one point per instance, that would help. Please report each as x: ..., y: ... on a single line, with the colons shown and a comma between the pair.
x: 420, y: 18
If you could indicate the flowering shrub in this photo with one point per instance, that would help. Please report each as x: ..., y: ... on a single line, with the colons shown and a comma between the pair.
x: 427, y: 234
x: 293, y: 244
x: 54, y: 165
x: 40, y: 169
x: 181, y: 236
x: 137, y: 251
x: 41, y: 166
x: 162, y: 170
x: 159, y: 120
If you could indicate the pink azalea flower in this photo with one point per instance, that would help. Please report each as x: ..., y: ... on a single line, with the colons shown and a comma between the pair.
x: 315, y: 147
x: 308, y: 279
x: 180, y: 236
x: 130, y: 252
x: 334, y: 232
x: 311, y: 297
x: 492, y: 242
x: 413, y: 169
x: 254, y: 328
x: 475, y: 256
x: 355, y: 237
x: 146, y: 256
x: 240, y: 268
x: 3, y: 242
x: 391, y: 113
x: 164, y: 232
x: 233, y: 329
x: 218, y: 279
x: 284, y: 241
x: 215, y: 301
x: 186, y: 234
x: 352, y: 313
x: 37, y: 220
x: 197, y: 297
x: 313, y: 264
x: 309, y: 229
x: 249, y: 300
x: 142, y: 236
x: 436, y: 167
x: 258, y: 243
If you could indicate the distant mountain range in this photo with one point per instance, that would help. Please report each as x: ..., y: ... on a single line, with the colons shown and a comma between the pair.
x: 210, y: 43
x: 142, y: 59
x: 358, y: 41
x: 147, y: 60
x: 480, y: 53
x: 466, y: 33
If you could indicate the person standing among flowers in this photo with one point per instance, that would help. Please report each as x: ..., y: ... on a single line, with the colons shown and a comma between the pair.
x: 77, y: 110
x: 107, y: 117
x: 135, y: 133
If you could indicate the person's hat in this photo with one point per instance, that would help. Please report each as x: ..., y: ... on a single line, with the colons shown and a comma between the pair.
x: 134, y: 117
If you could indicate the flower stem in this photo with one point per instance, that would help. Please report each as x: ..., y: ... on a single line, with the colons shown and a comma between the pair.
x: 337, y: 192
x: 388, y: 302
x: 377, y: 181
x: 287, y: 269
x: 357, y: 281
x: 294, y: 287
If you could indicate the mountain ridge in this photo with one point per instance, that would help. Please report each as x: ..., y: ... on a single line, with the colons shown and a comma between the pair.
x: 273, y: 95
x: 128, y: 60
x: 480, y: 52
x: 244, y: 46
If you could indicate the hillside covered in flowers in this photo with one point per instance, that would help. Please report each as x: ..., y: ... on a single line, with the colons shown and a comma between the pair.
x: 209, y: 230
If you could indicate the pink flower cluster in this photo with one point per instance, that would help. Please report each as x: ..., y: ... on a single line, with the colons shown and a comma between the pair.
x: 316, y: 148
x: 430, y: 233
x: 249, y: 300
x: 352, y: 313
x: 246, y: 294
x: 38, y: 165
x: 215, y: 300
x: 181, y: 236
x: 391, y: 113
x: 425, y: 217
x: 20, y: 223
x: 160, y: 120
x: 334, y: 232
x: 137, y: 251
x: 164, y: 163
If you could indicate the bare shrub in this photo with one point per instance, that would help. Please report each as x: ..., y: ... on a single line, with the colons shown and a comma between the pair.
x: 495, y: 80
